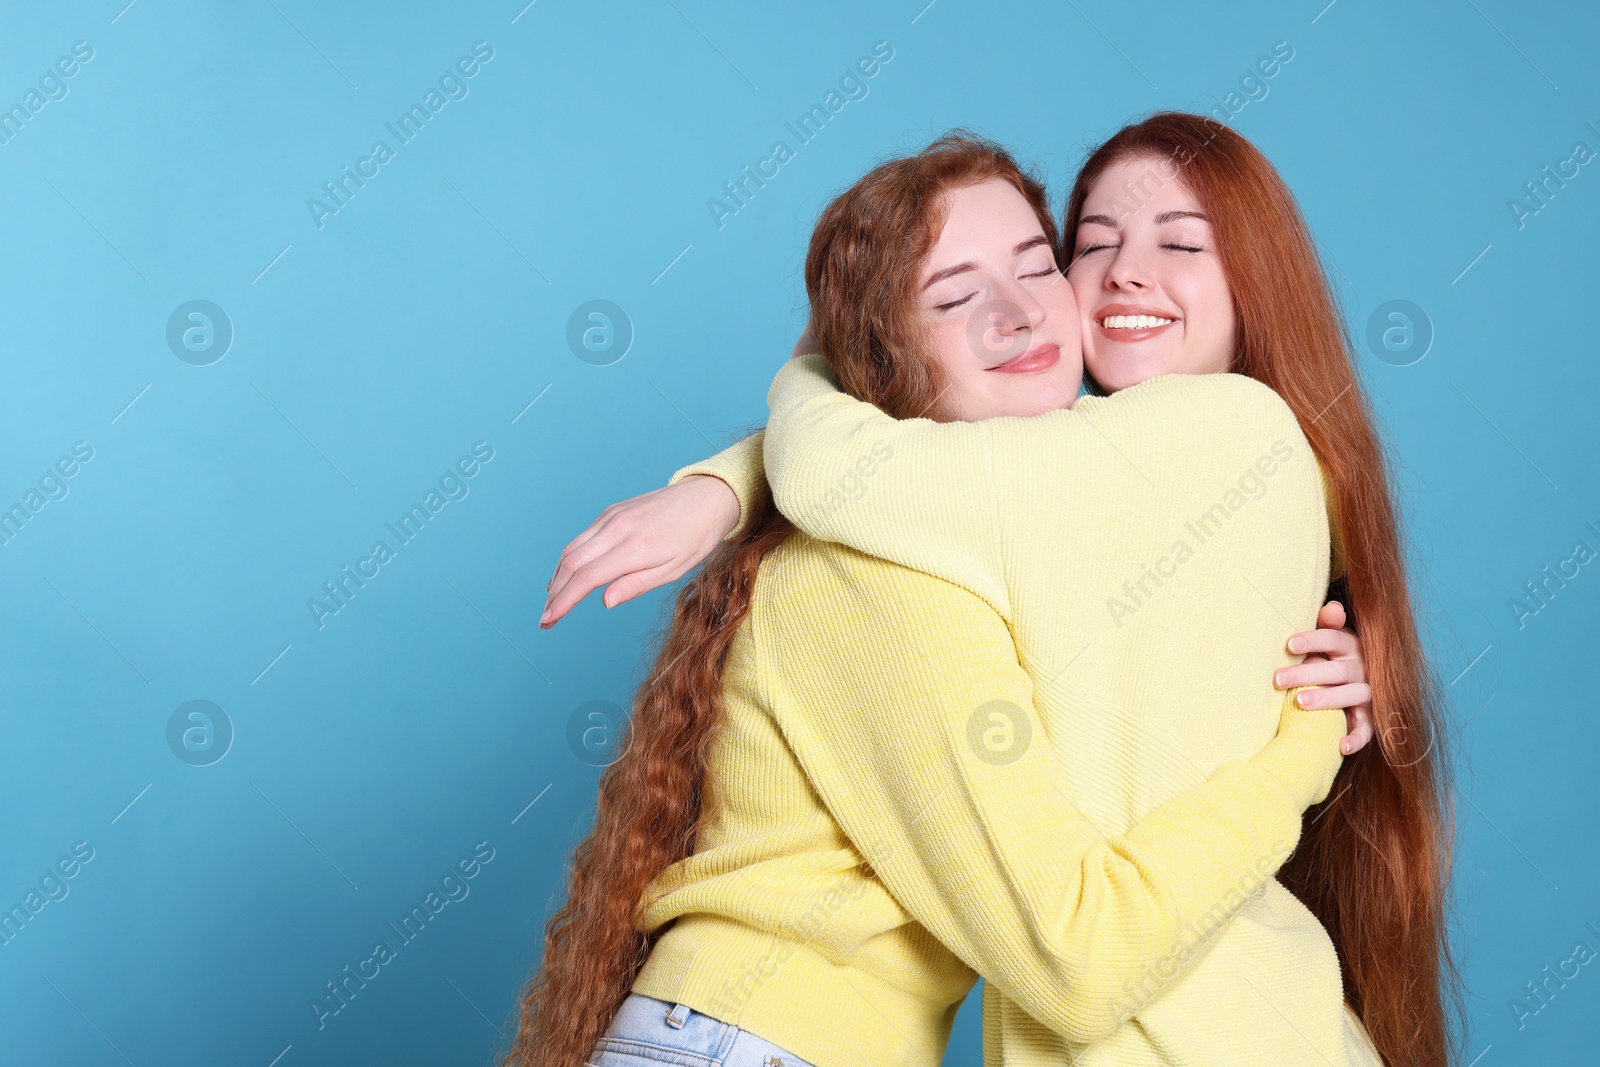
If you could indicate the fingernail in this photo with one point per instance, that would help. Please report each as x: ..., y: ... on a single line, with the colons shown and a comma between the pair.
x: 1277, y: 677
x: 1297, y: 644
x: 1302, y: 699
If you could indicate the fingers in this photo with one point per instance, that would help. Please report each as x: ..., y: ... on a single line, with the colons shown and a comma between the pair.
x: 577, y: 551
x: 1358, y: 722
x: 1336, y: 696
x: 593, y: 528
x: 1328, y: 642
x: 560, y: 589
x: 622, y: 589
x: 1315, y: 671
x: 1333, y: 664
x: 638, y: 582
x: 584, y: 579
x: 613, y: 532
x: 628, y: 568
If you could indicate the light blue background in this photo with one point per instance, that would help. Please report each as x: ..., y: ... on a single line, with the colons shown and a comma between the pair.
x: 428, y: 313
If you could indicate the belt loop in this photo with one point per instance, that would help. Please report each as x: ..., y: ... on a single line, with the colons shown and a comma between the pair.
x: 678, y: 1016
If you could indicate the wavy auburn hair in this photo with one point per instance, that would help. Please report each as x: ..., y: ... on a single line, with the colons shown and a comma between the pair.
x: 1373, y: 863
x: 862, y: 267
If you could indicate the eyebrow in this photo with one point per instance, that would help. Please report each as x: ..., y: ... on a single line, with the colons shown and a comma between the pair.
x: 949, y: 272
x: 1161, y: 219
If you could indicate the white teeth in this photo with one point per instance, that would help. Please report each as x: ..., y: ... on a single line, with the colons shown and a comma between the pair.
x: 1134, y: 322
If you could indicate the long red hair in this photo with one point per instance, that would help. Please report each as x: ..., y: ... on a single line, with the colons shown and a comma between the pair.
x: 861, y: 270
x: 1373, y: 863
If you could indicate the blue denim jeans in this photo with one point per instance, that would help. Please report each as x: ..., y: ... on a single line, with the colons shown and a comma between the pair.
x: 647, y: 1032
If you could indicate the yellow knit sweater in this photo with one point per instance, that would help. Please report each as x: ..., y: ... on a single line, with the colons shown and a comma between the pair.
x: 1032, y: 736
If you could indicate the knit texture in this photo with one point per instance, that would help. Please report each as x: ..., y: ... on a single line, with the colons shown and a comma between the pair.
x: 1038, y: 718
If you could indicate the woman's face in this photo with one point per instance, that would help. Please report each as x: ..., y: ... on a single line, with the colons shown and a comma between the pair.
x: 1148, y: 279
x: 1001, y: 318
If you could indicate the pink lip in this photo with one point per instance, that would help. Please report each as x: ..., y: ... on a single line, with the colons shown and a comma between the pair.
x: 1038, y: 358
x: 1132, y: 309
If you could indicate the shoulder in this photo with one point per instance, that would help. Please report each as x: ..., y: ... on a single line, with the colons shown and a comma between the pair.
x: 1196, y: 388
x: 806, y: 587
x: 1251, y: 392
x: 1222, y: 402
x: 1203, y: 413
x: 828, y: 623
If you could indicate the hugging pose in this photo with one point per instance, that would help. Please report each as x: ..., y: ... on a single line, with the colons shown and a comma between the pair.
x: 1024, y: 646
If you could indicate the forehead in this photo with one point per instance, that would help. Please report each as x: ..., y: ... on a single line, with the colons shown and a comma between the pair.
x: 990, y: 213
x: 1126, y: 188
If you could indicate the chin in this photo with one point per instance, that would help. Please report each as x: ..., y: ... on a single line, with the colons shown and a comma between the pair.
x: 1123, y: 371
x: 1117, y: 376
x: 1042, y: 402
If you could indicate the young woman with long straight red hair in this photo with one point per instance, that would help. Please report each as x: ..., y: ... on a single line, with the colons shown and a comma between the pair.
x: 1188, y: 255
x: 1375, y: 864
x: 808, y: 787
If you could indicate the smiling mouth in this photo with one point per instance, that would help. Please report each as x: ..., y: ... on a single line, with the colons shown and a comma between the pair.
x: 1134, y: 322
x: 1038, y: 358
x: 1131, y: 324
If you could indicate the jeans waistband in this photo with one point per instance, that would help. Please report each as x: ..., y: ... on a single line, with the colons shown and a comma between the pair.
x: 677, y: 1034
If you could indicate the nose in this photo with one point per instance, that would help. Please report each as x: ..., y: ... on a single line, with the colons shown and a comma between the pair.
x: 1032, y: 313
x: 1128, y: 270
x: 1000, y: 327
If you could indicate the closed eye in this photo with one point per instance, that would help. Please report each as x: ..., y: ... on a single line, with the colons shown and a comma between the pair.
x: 1051, y: 269
x: 1182, y: 248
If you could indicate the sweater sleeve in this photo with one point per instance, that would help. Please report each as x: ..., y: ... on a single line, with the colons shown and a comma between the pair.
x: 922, y: 740
x: 917, y: 492
x: 739, y: 465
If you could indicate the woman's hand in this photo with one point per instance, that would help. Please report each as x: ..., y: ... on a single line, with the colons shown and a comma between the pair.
x: 1333, y: 662
x: 641, y: 543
